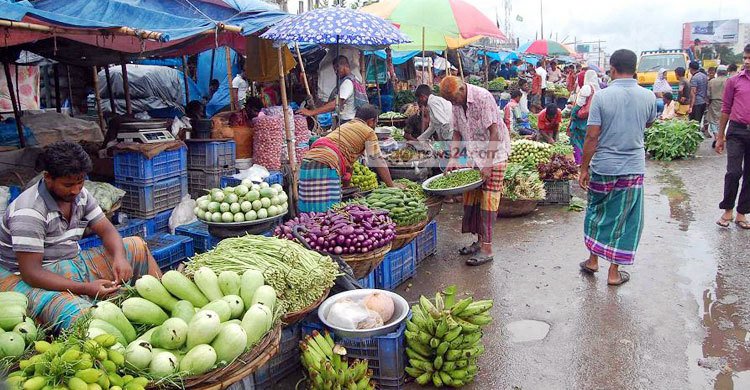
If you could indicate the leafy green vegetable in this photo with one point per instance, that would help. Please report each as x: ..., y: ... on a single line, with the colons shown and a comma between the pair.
x: 497, y: 84
x: 522, y: 183
x: 403, y: 98
x: 673, y: 139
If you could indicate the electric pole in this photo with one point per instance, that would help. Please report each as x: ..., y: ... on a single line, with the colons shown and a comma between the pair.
x: 541, y: 17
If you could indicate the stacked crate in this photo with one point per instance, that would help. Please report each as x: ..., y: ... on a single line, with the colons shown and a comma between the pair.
x: 207, y: 161
x: 151, y: 185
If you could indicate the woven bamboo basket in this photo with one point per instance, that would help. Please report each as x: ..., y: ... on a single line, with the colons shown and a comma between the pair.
x: 434, y: 206
x: 291, y: 318
x: 243, y: 366
x: 516, y: 208
x: 364, y: 263
x: 405, y: 234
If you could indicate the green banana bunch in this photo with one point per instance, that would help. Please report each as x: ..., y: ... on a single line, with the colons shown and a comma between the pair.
x: 443, y: 339
x: 328, y: 368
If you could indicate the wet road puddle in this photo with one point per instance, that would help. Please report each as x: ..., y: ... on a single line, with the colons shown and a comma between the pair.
x: 527, y: 330
x: 679, y: 200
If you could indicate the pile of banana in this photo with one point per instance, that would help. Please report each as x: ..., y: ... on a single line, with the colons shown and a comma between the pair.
x: 328, y: 368
x: 444, y: 339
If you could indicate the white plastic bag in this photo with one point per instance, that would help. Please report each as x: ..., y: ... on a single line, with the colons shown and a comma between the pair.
x: 4, y: 198
x: 183, y: 214
x: 256, y: 173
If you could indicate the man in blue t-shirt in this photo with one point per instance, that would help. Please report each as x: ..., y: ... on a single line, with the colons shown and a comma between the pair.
x: 614, y: 162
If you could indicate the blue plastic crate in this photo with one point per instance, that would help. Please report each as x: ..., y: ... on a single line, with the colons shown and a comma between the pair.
x: 159, y: 223
x: 170, y: 250
x: 284, y: 363
x: 137, y: 168
x: 210, y: 154
x: 397, y: 267
x: 368, y: 281
x: 426, y: 242
x: 274, y: 177
x: 200, y: 181
x: 202, y: 240
x: 134, y: 227
x: 146, y: 201
x: 386, y: 355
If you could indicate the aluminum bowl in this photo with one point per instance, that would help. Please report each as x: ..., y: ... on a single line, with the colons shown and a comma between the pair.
x: 451, y: 191
x: 400, y: 312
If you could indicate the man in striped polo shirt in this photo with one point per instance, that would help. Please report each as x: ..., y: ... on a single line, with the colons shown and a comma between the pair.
x: 39, y: 251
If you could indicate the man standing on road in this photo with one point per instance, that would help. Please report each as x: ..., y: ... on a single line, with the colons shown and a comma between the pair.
x: 735, y: 111
x: 715, y: 96
x: 614, y: 162
x: 698, y: 92
x: 478, y: 124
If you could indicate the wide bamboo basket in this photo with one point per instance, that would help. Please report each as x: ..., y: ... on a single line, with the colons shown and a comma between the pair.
x: 516, y: 208
x: 293, y: 317
x: 434, y: 206
x: 364, y: 263
x: 405, y: 234
x: 243, y: 366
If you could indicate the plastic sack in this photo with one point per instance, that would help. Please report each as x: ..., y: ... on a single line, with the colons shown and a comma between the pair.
x: 183, y: 214
x: 105, y: 194
x: 4, y: 199
x: 256, y: 173
x: 347, y: 314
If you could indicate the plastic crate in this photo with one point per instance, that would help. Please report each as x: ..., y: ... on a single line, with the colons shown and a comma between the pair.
x: 386, y: 355
x: 558, y: 192
x: 426, y: 242
x: 170, y: 250
x: 284, y: 363
x: 210, y: 154
x: 202, y: 240
x: 200, y: 181
x: 145, y: 201
x: 368, y: 281
x: 137, y: 168
x: 397, y: 267
x: 134, y: 227
x: 159, y: 223
x: 274, y: 177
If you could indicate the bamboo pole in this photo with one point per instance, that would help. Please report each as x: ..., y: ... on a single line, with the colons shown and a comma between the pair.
x: 126, y: 31
x: 233, y: 95
x: 126, y: 86
x: 14, y: 102
x: 310, y: 99
x: 486, y: 69
x: 424, y: 59
x: 185, y: 79
x: 290, y: 141
x: 98, y: 98
x: 58, y: 103
x: 70, y: 89
x: 111, y: 95
x: 377, y: 84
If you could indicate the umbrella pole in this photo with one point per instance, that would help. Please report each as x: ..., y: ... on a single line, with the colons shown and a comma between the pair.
x: 185, y: 79
x: 14, y: 102
x: 460, y: 64
x: 377, y: 84
x: 424, y: 60
x: 304, y: 76
x: 486, y: 70
x: 290, y: 142
x: 98, y: 98
x: 232, y: 93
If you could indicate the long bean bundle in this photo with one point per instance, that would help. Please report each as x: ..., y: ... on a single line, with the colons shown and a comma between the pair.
x: 299, y: 276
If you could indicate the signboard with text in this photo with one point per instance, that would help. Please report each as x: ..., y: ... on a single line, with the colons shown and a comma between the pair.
x: 711, y: 32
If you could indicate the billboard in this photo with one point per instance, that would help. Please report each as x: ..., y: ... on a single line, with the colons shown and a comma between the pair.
x: 711, y: 32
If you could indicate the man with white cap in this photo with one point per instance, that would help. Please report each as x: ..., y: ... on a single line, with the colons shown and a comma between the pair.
x: 715, y: 94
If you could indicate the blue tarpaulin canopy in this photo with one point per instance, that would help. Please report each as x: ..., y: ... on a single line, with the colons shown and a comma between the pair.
x: 399, y: 57
x: 501, y: 55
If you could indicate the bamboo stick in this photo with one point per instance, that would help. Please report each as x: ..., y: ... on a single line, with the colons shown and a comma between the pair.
x: 126, y: 31
x: 111, y: 95
x: 14, y: 102
x: 233, y: 95
x: 288, y: 130
x: 98, y: 98
x: 310, y: 98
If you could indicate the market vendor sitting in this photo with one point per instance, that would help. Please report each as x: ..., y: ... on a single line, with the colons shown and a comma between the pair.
x: 548, y: 122
x: 351, y: 93
x: 39, y: 252
x: 513, y: 115
x: 440, y: 113
x: 329, y: 162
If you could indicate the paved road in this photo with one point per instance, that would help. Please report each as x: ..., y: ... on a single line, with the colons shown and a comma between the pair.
x: 682, y: 322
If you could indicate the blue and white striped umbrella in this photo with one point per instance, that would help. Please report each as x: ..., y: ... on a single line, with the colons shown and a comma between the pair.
x: 336, y: 25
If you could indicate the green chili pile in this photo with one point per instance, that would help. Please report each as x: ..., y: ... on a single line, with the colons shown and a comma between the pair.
x: 455, y: 179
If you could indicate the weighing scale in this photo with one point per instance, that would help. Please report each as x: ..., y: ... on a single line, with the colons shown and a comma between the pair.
x: 144, y: 132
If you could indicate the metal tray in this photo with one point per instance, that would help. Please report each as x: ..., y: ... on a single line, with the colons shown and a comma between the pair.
x: 451, y: 191
x: 246, y: 223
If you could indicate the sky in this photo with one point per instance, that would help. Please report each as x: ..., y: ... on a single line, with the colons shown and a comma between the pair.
x: 633, y: 24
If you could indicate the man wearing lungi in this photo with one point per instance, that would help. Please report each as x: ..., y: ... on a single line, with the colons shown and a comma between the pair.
x: 614, y: 162
x: 479, y: 129
x: 39, y: 251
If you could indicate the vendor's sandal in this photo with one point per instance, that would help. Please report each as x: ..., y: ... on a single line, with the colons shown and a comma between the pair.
x: 479, y: 259
x: 723, y: 222
x: 624, y: 277
x: 743, y: 224
x: 470, y: 250
x: 586, y: 268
